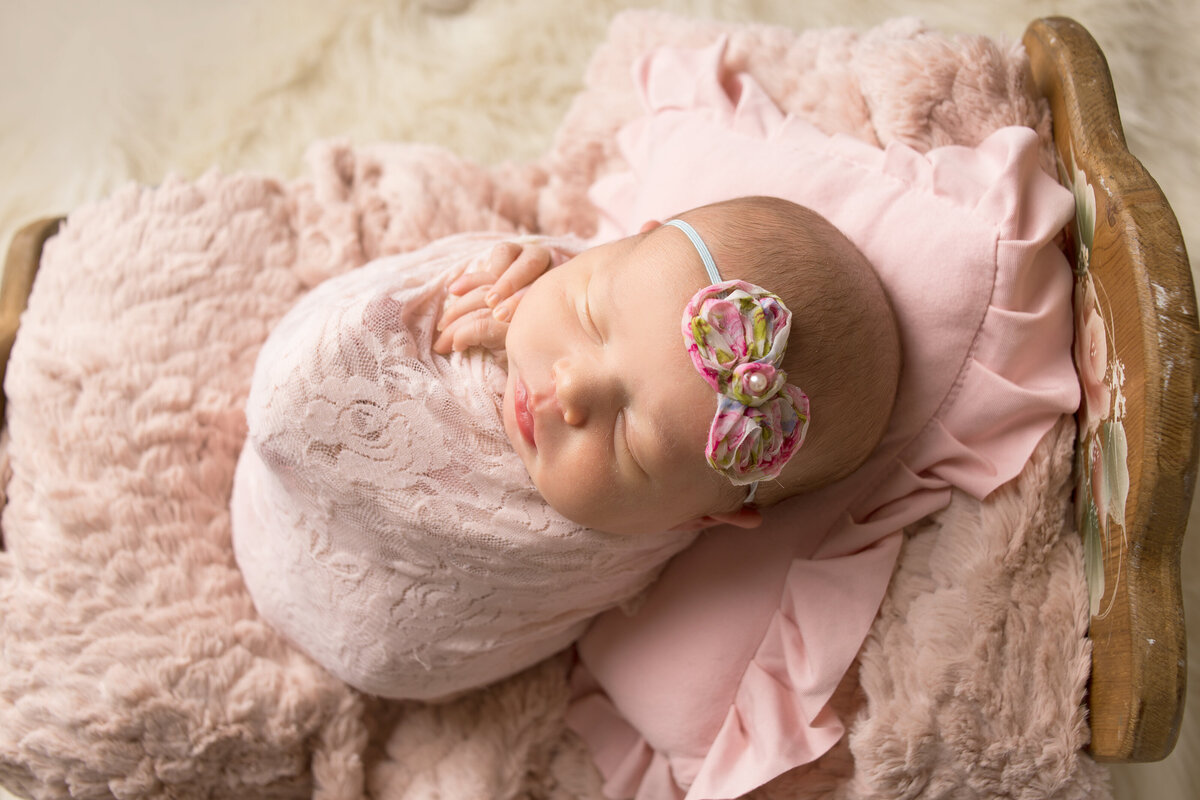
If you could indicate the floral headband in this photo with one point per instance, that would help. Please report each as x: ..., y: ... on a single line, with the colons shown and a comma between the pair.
x: 736, y: 334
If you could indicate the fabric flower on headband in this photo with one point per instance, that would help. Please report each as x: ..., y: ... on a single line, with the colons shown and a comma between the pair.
x: 736, y: 334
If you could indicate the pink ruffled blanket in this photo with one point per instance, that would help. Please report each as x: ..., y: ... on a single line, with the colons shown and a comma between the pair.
x: 962, y: 240
x: 134, y: 663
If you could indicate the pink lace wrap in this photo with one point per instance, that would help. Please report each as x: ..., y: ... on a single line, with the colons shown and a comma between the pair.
x: 381, y: 518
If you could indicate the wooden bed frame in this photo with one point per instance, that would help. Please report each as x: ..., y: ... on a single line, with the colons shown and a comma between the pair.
x: 1130, y: 250
x: 1144, y: 284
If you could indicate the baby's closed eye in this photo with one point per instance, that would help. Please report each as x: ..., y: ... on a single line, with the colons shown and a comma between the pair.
x: 585, y: 314
x: 623, y: 440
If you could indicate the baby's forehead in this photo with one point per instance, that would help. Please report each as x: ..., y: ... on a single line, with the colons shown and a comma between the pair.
x: 644, y: 295
x: 661, y: 266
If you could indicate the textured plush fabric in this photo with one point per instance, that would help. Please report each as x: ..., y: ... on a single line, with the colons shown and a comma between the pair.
x: 134, y: 664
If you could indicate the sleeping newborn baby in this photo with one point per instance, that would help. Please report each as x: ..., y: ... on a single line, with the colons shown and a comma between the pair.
x: 430, y: 501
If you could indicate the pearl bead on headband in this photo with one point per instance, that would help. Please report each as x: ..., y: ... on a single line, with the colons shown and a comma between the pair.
x: 736, y: 334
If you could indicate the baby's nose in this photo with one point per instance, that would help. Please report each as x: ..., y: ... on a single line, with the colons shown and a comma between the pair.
x: 583, y: 389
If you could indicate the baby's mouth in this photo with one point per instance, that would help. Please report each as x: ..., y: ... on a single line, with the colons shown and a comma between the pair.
x: 523, y: 413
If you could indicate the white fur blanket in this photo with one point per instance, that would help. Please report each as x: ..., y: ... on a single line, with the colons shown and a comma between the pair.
x: 134, y: 665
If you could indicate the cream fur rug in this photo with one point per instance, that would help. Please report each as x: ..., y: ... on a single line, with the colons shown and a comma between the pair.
x: 100, y: 93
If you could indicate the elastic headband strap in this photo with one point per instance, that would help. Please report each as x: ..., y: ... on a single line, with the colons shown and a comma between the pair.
x: 798, y: 399
x: 709, y: 264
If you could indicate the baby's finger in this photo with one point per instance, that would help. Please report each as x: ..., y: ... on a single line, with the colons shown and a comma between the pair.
x: 502, y: 256
x: 458, y: 306
x: 528, y: 267
x: 476, y: 328
x: 498, y: 259
x: 487, y: 332
x: 505, y: 309
x: 444, y: 342
x: 470, y: 280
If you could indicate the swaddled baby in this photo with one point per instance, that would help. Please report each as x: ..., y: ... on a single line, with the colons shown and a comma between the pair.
x: 422, y: 523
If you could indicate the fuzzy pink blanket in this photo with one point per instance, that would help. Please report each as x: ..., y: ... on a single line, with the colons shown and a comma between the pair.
x: 133, y: 663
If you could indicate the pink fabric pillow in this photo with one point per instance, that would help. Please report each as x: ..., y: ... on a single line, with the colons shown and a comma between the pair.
x: 720, y: 681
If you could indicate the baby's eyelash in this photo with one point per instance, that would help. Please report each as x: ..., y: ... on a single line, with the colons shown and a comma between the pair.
x: 622, y: 432
x: 587, y: 310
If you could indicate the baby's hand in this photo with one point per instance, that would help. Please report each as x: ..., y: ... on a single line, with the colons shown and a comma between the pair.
x: 484, y: 301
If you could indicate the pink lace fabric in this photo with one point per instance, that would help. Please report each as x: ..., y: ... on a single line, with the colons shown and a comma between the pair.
x: 382, y: 520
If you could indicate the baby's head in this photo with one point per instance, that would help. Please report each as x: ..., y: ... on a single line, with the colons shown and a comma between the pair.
x: 611, y: 417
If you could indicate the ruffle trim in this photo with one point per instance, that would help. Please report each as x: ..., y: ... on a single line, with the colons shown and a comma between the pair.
x: 1016, y: 381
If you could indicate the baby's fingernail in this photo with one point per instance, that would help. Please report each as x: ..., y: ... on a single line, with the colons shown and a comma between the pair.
x: 502, y: 313
x: 492, y: 298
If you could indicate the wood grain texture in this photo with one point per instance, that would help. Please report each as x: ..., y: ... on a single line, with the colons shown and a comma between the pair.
x: 1136, y: 691
x: 20, y: 267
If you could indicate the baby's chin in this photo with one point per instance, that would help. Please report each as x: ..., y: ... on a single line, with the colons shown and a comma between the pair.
x: 618, y: 525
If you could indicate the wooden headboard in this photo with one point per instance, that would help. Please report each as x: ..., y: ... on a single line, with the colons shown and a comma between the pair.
x: 20, y: 267
x: 1136, y: 351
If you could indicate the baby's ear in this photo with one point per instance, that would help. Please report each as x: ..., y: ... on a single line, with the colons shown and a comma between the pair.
x: 744, y: 517
x: 650, y: 225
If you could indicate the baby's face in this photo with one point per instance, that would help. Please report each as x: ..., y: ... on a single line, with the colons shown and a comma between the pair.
x: 603, y: 403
